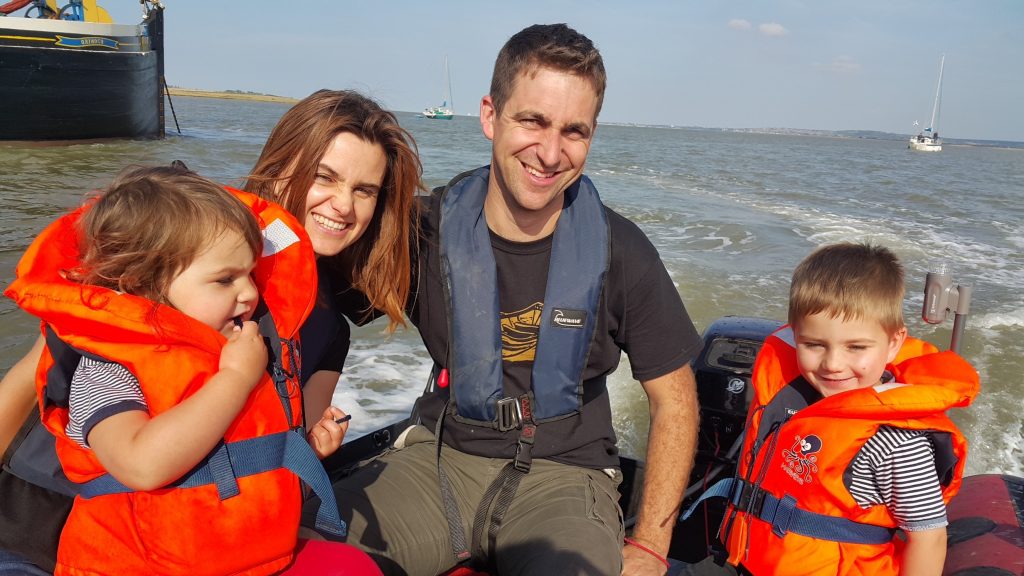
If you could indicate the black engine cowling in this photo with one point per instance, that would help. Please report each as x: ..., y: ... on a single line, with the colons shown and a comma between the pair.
x: 723, y: 372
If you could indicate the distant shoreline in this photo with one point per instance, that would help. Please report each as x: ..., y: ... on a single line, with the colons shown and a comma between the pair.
x: 854, y: 134
x: 229, y: 95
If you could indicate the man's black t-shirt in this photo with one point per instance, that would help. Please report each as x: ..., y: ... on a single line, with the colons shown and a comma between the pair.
x: 640, y: 313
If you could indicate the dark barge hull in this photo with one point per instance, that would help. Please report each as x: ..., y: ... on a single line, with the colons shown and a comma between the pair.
x: 62, y: 80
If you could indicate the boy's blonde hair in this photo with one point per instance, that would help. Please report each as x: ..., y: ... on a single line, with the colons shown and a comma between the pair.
x: 849, y: 281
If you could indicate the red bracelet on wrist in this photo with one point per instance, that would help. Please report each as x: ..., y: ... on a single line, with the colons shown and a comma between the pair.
x: 636, y: 544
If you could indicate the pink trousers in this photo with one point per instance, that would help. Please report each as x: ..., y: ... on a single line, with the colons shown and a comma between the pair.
x: 323, y: 558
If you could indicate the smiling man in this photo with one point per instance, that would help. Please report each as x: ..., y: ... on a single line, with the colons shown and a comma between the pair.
x: 528, y: 290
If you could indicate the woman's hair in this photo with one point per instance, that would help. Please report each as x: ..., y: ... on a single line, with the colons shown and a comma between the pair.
x: 150, y: 224
x: 554, y: 46
x: 849, y: 281
x: 378, y: 263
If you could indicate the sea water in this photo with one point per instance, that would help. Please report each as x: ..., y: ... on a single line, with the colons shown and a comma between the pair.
x: 731, y: 214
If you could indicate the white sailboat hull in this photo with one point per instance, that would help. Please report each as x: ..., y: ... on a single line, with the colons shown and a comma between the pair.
x: 925, y: 144
x: 438, y: 113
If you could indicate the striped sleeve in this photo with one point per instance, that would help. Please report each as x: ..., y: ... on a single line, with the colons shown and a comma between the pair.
x: 99, y: 390
x: 896, y: 468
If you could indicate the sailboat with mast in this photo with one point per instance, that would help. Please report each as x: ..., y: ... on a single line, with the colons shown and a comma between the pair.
x: 446, y: 110
x: 928, y: 139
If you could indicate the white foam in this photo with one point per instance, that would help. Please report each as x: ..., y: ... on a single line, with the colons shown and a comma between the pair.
x: 1011, y: 319
x: 993, y: 447
x: 381, y: 380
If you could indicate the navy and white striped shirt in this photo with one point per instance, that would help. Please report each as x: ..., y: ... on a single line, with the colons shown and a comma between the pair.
x: 896, y: 468
x: 98, y: 391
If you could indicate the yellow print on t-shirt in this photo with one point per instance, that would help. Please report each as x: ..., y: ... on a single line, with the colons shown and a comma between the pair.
x: 519, y: 332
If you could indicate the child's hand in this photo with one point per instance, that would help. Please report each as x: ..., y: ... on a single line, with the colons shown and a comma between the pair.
x: 326, y: 435
x: 245, y: 354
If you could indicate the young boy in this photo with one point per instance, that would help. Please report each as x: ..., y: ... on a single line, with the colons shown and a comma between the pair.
x: 847, y: 438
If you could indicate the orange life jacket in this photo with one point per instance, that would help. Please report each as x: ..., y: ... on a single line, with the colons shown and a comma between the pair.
x: 795, y: 456
x: 238, y: 511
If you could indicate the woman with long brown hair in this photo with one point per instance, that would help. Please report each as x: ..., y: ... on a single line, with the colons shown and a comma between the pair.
x: 346, y: 169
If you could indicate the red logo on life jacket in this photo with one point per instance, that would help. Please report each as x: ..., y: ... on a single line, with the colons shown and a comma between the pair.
x: 799, y: 460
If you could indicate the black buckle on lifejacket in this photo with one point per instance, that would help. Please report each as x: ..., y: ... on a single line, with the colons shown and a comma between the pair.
x: 524, y: 448
x: 524, y: 445
x: 750, y: 499
x: 510, y: 414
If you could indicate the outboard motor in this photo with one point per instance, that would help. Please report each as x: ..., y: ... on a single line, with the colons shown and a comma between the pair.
x: 723, y: 372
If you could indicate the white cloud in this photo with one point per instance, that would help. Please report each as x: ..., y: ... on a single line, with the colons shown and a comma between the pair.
x: 739, y: 24
x: 772, y: 29
x: 840, y: 64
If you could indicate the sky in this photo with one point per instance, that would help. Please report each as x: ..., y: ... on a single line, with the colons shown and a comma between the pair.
x: 805, y: 64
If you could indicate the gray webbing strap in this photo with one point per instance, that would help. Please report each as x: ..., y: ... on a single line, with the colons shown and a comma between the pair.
x: 502, y: 490
x: 504, y: 487
x: 451, y: 509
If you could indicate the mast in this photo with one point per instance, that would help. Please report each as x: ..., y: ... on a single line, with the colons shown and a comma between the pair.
x: 448, y: 78
x: 938, y: 92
